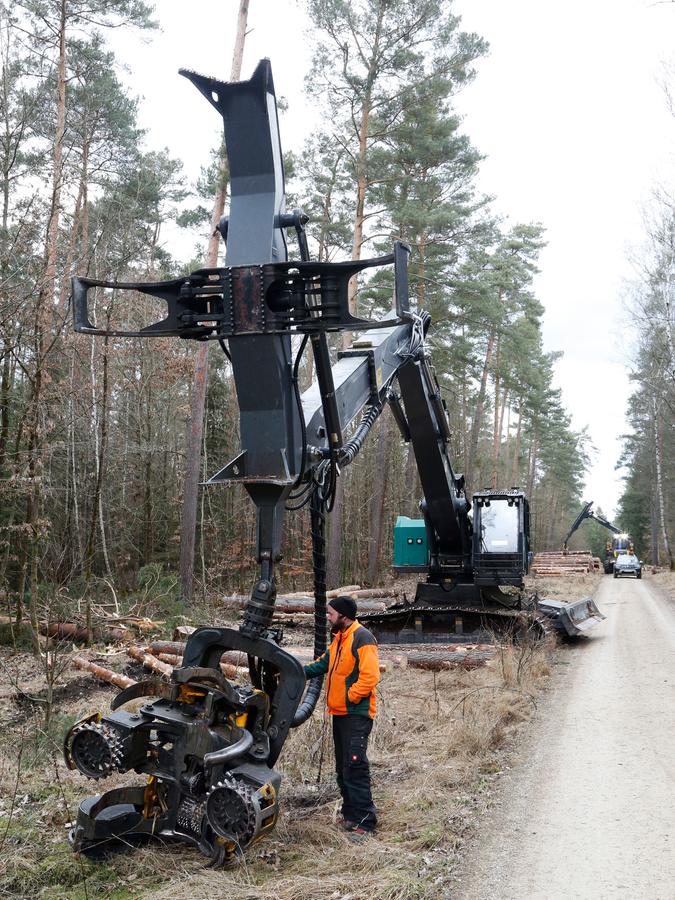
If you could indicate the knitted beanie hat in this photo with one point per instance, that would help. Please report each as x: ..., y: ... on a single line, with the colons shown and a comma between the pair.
x: 344, y: 605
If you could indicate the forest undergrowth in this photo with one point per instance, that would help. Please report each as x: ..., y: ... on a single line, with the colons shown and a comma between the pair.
x: 440, y: 744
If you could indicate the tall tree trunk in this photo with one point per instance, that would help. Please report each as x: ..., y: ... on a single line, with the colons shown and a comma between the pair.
x: 188, y: 525
x: 552, y: 515
x: 532, y: 467
x: 335, y: 531
x: 421, y: 269
x: 669, y: 328
x: 654, y: 527
x: 506, y: 405
x: 148, y: 535
x: 478, y: 416
x: 361, y: 158
x: 333, y: 553
x: 516, y: 450
x: 5, y: 392
x: 658, y: 458
x: 335, y: 538
x: 380, y: 480
x: 78, y: 217
x: 497, y: 438
x: 465, y: 414
x: 43, y: 321
x: 496, y: 428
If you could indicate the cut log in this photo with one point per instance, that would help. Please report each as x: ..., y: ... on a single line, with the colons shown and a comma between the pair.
x: 73, y: 632
x: 335, y: 592
x: 170, y: 658
x: 107, y: 675
x: 438, y: 660
x: 559, y: 564
x: 397, y: 662
x: 372, y: 594
x: 177, y: 648
x: 149, y: 661
x: 181, y: 632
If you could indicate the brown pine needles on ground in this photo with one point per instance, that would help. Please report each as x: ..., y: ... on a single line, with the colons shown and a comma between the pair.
x: 439, y: 744
x: 436, y: 749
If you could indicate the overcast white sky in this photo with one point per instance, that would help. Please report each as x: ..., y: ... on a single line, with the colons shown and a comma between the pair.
x: 568, y: 110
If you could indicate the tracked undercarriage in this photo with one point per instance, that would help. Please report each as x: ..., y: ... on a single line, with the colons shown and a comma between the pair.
x: 475, y: 616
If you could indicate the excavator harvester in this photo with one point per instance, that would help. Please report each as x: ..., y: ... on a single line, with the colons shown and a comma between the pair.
x: 208, y: 746
x: 475, y: 554
x: 619, y: 543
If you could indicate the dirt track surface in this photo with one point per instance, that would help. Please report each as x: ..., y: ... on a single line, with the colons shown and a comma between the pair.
x: 588, y: 810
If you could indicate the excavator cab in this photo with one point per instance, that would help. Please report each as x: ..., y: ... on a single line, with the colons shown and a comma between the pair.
x: 501, y: 530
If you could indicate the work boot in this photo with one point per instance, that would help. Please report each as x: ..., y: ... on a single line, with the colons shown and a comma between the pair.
x: 358, y: 834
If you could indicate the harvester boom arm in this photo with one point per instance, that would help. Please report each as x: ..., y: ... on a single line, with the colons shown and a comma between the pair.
x: 587, y: 513
x: 422, y: 420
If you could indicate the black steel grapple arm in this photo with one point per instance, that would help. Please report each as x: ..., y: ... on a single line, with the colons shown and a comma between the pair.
x: 587, y: 513
x: 256, y: 303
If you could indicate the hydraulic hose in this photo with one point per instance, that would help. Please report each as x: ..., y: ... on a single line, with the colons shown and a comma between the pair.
x: 220, y: 756
x: 318, y: 527
x: 351, y: 448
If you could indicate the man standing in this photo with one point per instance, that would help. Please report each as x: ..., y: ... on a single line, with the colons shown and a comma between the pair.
x: 352, y: 670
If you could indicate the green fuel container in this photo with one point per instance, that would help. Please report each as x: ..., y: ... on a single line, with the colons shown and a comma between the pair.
x: 410, y: 542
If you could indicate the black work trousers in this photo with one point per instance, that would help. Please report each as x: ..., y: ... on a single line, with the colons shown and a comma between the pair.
x: 350, y: 734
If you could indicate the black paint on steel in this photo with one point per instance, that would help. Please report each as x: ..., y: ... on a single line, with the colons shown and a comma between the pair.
x: 272, y: 298
x: 262, y: 364
x: 446, y: 506
x: 318, y: 526
x: 399, y: 416
x: 204, y: 649
x: 587, y: 513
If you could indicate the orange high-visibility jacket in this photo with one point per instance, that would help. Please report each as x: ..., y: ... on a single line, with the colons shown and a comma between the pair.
x: 352, y: 669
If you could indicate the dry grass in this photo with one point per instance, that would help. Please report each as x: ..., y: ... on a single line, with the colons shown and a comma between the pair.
x: 663, y: 579
x: 572, y: 587
x: 437, y: 747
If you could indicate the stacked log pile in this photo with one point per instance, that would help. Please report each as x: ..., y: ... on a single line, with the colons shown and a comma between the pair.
x: 557, y: 563
x: 367, y: 600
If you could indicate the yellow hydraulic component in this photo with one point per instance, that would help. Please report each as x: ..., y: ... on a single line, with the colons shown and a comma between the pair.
x: 230, y: 846
x: 267, y: 791
x: 153, y: 801
x: 150, y: 797
x: 267, y: 796
x: 188, y: 694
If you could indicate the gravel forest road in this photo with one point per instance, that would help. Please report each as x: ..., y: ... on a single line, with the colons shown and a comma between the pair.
x: 588, y: 810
